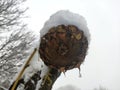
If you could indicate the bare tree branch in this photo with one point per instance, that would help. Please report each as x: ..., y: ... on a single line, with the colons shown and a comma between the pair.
x: 15, y: 39
x: 10, y: 13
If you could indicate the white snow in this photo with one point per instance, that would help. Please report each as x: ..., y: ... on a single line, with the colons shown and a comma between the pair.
x: 35, y: 65
x: 20, y: 87
x: 67, y: 18
x: 44, y: 70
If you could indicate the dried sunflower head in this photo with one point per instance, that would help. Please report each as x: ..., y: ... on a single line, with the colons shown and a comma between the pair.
x: 63, y: 47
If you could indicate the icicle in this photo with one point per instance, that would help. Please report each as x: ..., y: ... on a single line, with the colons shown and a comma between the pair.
x: 78, y: 66
x: 79, y: 73
x: 62, y: 69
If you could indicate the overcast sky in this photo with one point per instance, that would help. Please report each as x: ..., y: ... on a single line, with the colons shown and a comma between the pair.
x: 102, y: 64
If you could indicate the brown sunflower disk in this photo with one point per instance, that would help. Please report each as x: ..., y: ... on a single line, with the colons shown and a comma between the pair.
x: 63, y: 47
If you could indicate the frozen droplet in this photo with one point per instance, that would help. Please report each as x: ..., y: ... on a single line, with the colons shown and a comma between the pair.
x: 62, y: 69
x: 79, y: 73
x: 78, y: 66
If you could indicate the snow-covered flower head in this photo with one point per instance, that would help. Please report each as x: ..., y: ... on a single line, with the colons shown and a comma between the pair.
x: 64, y: 40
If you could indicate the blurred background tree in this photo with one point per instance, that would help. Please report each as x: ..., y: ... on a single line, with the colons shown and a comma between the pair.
x: 15, y: 39
x: 100, y: 88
